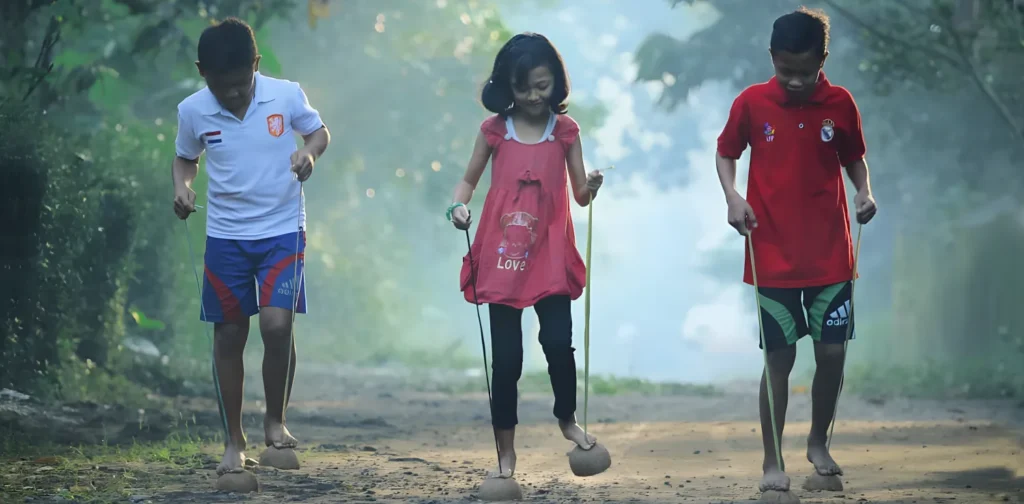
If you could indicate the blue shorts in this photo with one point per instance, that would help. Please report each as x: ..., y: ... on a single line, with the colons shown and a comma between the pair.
x: 241, y: 276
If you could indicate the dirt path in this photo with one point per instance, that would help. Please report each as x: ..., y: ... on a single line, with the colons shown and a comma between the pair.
x: 369, y: 439
x: 390, y: 437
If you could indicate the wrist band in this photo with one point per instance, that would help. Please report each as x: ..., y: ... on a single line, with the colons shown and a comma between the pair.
x: 448, y: 214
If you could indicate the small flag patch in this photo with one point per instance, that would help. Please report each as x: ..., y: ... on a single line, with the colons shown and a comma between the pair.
x: 212, y: 137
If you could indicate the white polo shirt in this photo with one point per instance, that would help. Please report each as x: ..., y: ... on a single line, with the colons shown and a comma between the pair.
x: 253, y: 193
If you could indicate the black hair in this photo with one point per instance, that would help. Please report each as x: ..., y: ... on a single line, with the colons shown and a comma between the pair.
x: 801, y: 31
x: 227, y: 46
x: 521, y: 54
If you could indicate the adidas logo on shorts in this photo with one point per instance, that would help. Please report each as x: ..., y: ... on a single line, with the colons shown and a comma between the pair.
x: 840, y: 317
x: 286, y: 288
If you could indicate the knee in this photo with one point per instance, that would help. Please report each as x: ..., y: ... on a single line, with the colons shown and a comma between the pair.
x: 229, y: 339
x: 507, y: 367
x: 556, y: 338
x: 275, y: 327
x: 829, y: 354
x: 782, y: 360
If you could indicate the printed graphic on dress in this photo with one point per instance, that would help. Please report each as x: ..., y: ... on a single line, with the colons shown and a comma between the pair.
x: 517, y: 236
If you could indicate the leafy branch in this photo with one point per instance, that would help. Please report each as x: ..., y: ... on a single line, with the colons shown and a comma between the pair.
x: 960, y: 60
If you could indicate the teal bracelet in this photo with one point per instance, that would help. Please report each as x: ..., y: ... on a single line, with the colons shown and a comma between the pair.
x: 448, y: 214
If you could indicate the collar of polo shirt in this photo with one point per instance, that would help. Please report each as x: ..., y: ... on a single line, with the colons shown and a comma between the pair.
x: 778, y: 95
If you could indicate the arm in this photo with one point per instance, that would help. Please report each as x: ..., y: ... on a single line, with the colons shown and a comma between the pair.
x: 306, y: 121
x: 578, y: 173
x: 474, y: 170
x: 316, y: 142
x: 188, y: 148
x: 859, y: 175
x: 731, y: 143
x: 727, y: 176
x: 852, y: 150
x: 183, y: 172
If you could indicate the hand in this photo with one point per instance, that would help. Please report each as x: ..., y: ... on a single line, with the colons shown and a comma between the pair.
x: 184, y: 202
x: 864, y: 203
x: 594, y: 181
x: 741, y: 216
x: 461, y: 218
x: 302, y: 164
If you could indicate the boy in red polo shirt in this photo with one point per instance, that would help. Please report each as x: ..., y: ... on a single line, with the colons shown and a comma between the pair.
x: 802, y: 131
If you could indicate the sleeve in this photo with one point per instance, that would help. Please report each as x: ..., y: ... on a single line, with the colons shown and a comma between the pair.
x: 187, y: 144
x: 493, y: 129
x: 735, y: 135
x: 852, y: 146
x: 567, y: 130
x: 305, y: 118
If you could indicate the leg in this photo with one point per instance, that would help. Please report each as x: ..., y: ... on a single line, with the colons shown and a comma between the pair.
x: 555, y: 316
x: 507, y: 367
x: 783, y: 324
x: 229, y: 344
x: 281, y: 287
x: 780, y: 363
x: 829, y: 317
x: 275, y: 329
x: 228, y: 301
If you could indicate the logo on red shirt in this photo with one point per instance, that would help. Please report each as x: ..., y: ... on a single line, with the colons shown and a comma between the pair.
x: 828, y: 131
x: 769, y: 132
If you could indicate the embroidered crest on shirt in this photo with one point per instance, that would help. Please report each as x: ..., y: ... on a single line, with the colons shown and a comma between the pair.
x: 275, y: 124
x: 769, y: 132
x: 516, y: 238
x: 828, y: 130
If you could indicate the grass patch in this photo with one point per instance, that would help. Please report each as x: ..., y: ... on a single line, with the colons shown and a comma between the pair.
x: 600, y: 385
x: 95, y: 474
x: 935, y: 380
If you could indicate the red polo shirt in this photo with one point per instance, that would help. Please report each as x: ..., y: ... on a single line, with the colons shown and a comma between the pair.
x: 795, y: 184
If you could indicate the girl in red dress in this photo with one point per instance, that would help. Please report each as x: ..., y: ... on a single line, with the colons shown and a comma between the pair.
x: 524, y: 253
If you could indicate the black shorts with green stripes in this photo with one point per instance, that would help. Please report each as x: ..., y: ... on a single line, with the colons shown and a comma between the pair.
x: 789, y: 314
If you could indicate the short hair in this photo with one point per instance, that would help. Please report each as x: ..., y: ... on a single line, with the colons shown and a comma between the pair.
x: 521, y: 54
x: 227, y: 46
x: 800, y: 31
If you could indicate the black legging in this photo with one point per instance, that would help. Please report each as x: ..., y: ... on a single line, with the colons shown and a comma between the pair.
x: 555, y: 318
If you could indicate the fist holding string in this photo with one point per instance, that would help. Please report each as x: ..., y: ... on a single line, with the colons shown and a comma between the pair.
x: 461, y: 218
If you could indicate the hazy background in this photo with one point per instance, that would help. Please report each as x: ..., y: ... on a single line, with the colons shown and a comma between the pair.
x: 102, y: 286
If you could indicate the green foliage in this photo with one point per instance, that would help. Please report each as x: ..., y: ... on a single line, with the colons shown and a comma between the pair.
x: 74, y: 268
x: 131, y: 50
x: 86, y: 177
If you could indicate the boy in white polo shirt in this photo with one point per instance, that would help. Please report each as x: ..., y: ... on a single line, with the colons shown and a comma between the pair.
x: 245, y: 123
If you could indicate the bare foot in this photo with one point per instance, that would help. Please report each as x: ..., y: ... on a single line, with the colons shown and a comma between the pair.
x: 507, y: 463
x: 277, y: 435
x: 774, y: 479
x: 573, y: 432
x: 233, y: 461
x: 818, y: 455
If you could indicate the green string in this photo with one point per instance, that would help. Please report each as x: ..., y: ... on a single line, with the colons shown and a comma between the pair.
x: 586, y: 312
x: 764, y: 351
x: 846, y: 341
x: 586, y: 316
x: 206, y: 325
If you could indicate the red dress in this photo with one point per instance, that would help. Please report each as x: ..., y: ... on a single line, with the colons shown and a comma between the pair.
x: 525, y: 244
